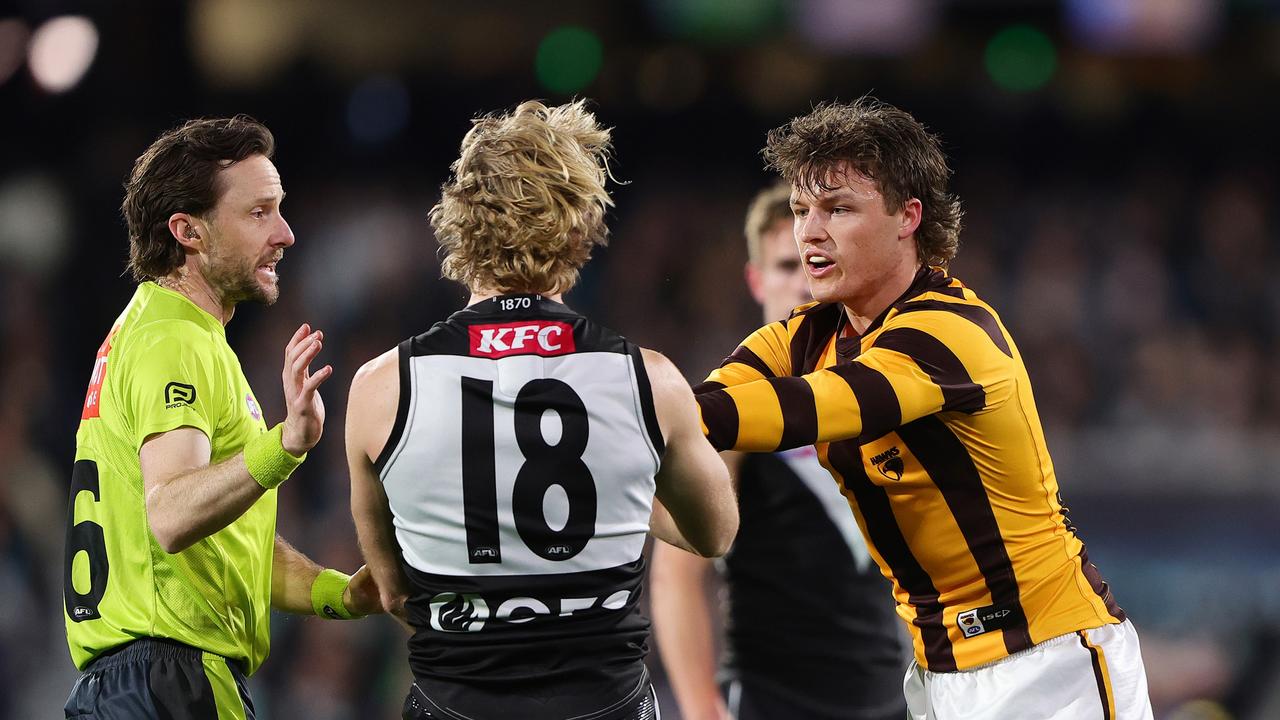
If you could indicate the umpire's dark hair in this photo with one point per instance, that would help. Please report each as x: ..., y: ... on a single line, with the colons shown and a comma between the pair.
x: 179, y: 173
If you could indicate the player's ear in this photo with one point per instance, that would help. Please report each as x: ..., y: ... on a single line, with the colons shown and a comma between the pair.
x: 755, y: 283
x: 187, y: 230
x: 911, y: 214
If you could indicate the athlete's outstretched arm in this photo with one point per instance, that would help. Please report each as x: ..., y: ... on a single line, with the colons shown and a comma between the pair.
x: 693, y: 483
x: 188, y: 499
x: 922, y: 363
x: 371, y: 411
x: 293, y: 575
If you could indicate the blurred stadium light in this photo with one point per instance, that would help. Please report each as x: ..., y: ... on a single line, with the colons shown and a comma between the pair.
x: 869, y: 27
x: 719, y: 22
x: 243, y: 43
x: 13, y: 46
x: 1020, y: 58
x: 61, y: 52
x: 1145, y: 26
x: 34, y: 223
x: 569, y: 59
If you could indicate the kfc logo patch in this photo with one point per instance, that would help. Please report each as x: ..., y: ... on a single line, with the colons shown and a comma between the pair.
x: 531, y: 337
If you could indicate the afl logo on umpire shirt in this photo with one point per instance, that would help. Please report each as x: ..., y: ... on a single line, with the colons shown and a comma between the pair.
x: 177, y: 394
x: 254, y: 410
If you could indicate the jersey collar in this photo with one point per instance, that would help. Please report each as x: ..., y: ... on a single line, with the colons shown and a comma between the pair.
x: 170, y: 303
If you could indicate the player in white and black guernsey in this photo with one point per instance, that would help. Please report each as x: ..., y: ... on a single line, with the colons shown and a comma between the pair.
x: 810, y: 628
x: 505, y: 462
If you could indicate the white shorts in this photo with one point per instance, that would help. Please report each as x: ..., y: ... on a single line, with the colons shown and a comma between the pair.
x: 1087, y: 675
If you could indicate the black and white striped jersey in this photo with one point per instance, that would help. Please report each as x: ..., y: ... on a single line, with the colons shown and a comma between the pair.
x: 520, y: 473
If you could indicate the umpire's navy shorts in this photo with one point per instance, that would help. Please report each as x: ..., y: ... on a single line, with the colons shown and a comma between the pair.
x: 152, y: 679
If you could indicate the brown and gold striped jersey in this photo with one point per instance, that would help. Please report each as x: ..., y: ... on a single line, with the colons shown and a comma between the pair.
x: 927, y: 423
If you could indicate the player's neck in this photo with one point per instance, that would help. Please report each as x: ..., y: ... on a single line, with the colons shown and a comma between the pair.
x: 195, y: 288
x: 862, y: 311
x: 482, y: 294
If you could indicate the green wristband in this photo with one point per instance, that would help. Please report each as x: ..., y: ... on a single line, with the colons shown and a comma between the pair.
x: 326, y: 595
x: 268, y: 462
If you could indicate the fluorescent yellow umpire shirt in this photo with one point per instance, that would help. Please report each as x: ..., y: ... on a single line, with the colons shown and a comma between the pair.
x: 166, y: 364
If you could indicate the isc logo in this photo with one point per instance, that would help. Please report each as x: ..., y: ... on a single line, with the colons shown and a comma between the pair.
x: 532, y: 337
x: 468, y: 612
x: 981, y: 620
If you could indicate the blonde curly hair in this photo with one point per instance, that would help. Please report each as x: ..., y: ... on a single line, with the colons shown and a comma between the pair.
x: 527, y: 199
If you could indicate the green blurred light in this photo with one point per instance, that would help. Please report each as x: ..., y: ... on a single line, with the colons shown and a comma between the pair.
x: 1020, y: 58
x: 569, y: 58
x: 722, y: 22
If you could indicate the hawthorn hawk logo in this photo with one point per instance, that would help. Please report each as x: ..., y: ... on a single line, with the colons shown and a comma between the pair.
x: 889, y: 463
x: 970, y: 623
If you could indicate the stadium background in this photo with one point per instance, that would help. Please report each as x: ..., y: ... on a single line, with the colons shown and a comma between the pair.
x: 1117, y: 160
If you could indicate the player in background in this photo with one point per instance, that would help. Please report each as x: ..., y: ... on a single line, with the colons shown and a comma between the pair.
x: 504, y: 463
x: 920, y: 406
x: 172, y: 562
x: 810, y: 626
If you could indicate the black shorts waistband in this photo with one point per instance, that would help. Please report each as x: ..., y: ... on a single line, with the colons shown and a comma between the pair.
x: 640, y: 703
x: 153, y: 649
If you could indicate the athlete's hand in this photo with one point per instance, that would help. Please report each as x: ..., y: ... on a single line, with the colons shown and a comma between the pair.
x: 361, y: 596
x: 305, y: 422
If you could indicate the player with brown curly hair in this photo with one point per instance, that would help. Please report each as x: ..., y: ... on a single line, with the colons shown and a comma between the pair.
x: 919, y: 405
